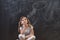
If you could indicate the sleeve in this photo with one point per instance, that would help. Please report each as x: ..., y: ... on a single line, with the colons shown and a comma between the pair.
x: 31, y: 27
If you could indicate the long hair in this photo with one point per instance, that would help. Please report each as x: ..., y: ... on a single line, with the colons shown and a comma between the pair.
x: 19, y: 24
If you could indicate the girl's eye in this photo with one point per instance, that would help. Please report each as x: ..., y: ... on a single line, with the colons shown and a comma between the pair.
x: 25, y: 19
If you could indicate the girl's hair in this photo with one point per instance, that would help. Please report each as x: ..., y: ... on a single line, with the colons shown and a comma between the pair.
x: 19, y: 24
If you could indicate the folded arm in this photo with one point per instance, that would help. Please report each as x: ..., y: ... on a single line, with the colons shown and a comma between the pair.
x: 31, y: 33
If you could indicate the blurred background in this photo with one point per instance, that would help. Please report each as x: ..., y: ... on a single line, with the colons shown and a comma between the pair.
x: 43, y: 14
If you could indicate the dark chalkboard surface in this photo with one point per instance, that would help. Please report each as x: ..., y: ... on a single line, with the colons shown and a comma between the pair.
x: 43, y: 14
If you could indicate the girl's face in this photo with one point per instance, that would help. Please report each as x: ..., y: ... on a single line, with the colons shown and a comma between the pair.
x: 24, y: 21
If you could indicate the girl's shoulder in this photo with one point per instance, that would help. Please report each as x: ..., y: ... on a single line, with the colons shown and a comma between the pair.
x: 31, y: 26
